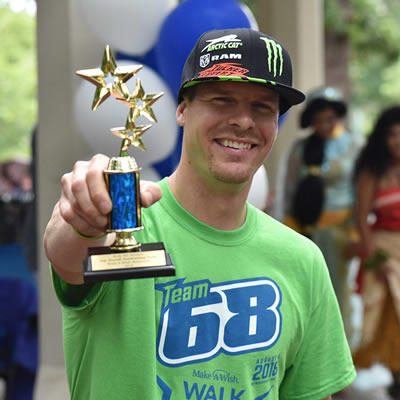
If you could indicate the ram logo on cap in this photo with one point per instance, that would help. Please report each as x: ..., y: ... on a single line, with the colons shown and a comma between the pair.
x: 204, y: 60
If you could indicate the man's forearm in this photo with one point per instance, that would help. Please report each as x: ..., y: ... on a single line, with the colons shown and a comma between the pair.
x: 66, y: 250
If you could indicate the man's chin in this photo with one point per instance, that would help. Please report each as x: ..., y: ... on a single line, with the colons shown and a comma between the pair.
x: 230, y: 177
x: 234, y: 173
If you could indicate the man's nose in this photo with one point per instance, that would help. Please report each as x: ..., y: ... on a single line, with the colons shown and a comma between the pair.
x: 242, y: 117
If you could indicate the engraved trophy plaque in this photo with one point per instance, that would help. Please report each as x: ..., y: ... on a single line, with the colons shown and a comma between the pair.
x: 125, y: 258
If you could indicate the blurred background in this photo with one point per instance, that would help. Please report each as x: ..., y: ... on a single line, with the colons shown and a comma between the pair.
x: 46, y: 122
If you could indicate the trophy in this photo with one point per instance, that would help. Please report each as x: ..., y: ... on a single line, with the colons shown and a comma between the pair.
x: 125, y: 258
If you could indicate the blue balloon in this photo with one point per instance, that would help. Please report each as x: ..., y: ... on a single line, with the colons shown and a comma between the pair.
x: 183, y: 26
x: 282, y: 118
x: 148, y: 58
x: 168, y: 165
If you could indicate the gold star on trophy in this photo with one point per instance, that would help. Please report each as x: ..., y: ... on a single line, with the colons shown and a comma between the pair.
x: 140, y: 105
x: 97, y: 77
x: 139, y: 96
x: 126, y: 258
x: 131, y: 140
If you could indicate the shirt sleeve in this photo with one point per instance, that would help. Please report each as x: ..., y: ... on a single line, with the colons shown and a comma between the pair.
x: 76, y: 297
x: 323, y: 364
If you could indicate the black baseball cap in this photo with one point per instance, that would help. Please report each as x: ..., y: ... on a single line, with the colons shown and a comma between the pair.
x: 243, y: 55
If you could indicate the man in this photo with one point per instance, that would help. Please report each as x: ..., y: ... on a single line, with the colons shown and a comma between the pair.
x: 251, y: 313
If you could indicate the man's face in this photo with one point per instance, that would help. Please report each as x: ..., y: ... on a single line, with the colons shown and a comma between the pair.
x: 229, y: 130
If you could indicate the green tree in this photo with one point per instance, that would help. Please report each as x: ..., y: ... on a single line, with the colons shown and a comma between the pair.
x: 18, y: 83
x: 250, y: 3
x: 372, y: 31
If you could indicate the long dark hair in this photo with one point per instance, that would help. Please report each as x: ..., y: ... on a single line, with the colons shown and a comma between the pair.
x: 308, y: 198
x: 375, y: 156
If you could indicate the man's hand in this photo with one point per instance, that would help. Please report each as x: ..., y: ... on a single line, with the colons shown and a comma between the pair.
x: 150, y: 193
x: 84, y: 204
x: 85, y: 201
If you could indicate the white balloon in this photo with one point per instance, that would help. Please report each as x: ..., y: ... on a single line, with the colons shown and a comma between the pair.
x: 250, y: 16
x: 258, y: 194
x: 94, y: 126
x: 131, y: 26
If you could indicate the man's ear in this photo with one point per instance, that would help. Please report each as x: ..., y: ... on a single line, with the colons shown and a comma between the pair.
x: 180, y: 113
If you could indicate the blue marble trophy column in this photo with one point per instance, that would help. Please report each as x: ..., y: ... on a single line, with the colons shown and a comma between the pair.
x: 123, y: 179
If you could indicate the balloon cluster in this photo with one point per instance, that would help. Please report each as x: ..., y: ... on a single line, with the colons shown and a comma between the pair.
x: 158, y: 34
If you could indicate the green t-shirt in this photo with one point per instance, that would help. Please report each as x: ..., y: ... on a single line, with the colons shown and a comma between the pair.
x: 250, y: 315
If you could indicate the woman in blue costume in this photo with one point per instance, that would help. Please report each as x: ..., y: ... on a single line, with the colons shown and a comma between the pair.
x: 318, y: 189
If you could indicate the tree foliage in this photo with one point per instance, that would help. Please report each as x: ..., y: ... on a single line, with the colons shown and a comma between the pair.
x: 372, y: 28
x: 18, y: 83
x: 251, y: 4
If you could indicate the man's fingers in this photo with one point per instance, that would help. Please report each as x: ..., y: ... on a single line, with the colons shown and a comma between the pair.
x: 70, y: 210
x: 81, y: 200
x: 72, y: 218
x: 85, y: 201
x: 97, y: 185
x: 150, y: 193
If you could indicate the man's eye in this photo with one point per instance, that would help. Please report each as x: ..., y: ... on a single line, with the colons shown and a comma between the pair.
x: 222, y: 99
x: 264, y: 107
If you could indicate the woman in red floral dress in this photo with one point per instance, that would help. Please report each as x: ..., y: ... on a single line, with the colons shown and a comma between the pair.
x: 378, y: 185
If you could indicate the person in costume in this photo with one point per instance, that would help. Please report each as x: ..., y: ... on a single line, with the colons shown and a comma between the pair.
x: 251, y: 312
x: 378, y: 194
x: 318, y: 190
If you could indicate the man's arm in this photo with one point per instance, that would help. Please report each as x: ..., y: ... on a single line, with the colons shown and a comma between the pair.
x: 84, y: 204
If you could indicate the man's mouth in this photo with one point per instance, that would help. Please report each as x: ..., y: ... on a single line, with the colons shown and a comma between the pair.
x: 234, y: 145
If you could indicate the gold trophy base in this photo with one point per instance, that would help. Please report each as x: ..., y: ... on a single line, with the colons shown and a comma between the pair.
x: 146, y: 260
x: 124, y: 241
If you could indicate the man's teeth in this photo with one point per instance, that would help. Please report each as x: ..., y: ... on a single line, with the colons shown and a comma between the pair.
x: 236, y: 145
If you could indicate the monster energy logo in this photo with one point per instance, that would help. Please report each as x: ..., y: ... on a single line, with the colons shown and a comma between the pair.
x: 274, y: 54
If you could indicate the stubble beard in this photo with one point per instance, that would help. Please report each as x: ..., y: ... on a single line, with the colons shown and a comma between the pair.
x: 223, y: 174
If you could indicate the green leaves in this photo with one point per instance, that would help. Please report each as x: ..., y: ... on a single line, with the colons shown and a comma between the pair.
x: 250, y: 3
x: 372, y: 29
x: 18, y: 83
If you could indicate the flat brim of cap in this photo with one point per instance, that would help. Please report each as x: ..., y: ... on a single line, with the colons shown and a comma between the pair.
x: 288, y: 95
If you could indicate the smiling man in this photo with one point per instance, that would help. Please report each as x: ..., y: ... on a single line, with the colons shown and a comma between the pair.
x: 251, y: 313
